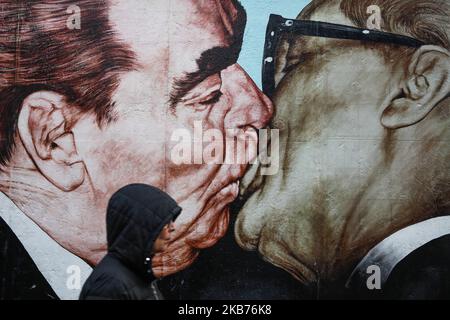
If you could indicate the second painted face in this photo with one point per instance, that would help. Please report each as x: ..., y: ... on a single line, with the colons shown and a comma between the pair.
x: 346, y: 181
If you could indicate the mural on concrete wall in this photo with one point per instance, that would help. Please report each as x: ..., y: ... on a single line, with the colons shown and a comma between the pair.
x: 330, y: 181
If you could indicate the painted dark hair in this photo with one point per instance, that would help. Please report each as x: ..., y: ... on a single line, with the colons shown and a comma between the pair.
x: 39, y: 52
x: 426, y: 20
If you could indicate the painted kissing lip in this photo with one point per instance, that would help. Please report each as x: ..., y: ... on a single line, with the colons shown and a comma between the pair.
x: 232, y: 187
x: 229, y: 180
x: 213, y: 208
x: 224, y: 193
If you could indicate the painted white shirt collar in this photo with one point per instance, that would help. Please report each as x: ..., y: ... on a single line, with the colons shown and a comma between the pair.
x: 393, y: 249
x: 60, y: 267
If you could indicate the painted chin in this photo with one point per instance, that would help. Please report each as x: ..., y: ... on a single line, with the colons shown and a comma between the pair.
x: 203, y: 233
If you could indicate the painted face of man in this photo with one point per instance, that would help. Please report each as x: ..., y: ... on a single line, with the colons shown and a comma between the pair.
x: 186, y: 73
x: 183, y: 73
x: 356, y: 152
x: 164, y: 238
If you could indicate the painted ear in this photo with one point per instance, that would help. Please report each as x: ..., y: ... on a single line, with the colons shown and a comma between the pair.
x: 426, y: 84
x: 43, y: 130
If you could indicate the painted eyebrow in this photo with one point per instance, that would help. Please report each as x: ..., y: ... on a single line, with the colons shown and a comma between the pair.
x: 210, y: 62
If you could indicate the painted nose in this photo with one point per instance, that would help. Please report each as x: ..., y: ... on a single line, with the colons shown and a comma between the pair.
x: 248, y: 105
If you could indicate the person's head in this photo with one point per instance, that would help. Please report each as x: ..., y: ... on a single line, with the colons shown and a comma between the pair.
x: 140, y: 222
x: 91, y: 109
x: 164, y: 238
x: 364, y: 130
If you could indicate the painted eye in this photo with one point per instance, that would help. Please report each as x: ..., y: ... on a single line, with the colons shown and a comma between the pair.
x: 295, y: 62
x: 213, y: 98
x: 288, y: 68
x: 205, y: 94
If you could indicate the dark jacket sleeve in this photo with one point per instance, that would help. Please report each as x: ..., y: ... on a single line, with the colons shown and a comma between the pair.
x: 20, y: 278
x: 106, y: 288
x: 423, y: 275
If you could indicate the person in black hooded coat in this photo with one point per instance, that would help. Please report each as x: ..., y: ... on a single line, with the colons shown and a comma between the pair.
x: 136, y: 217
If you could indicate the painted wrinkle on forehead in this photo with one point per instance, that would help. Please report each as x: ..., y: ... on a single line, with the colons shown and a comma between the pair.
x: 200, y: 27
x: 195, y: 15
x: 229, y: 14
x: 195, y: 27
x: 144, y: 28
x: 219, y: 19
x: 225, y: 10
x: 329, y: 12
